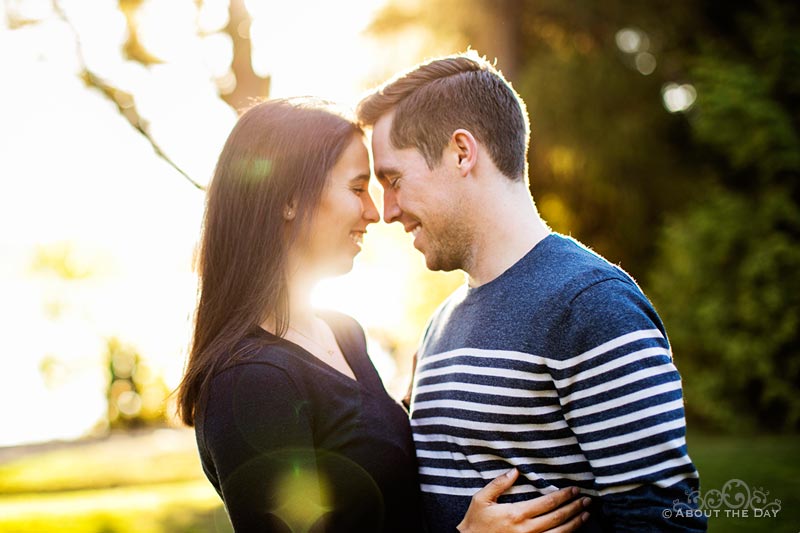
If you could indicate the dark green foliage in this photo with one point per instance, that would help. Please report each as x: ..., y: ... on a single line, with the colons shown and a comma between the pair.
x: 703, y: 207
x: 727, y: 281
x: 728, y: 289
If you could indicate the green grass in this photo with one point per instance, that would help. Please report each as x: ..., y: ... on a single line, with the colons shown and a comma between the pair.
x: 190, y: 506
x: 158, y: 457
x: 144, y: 483
x: 767, y: 462
x: 152, y: 483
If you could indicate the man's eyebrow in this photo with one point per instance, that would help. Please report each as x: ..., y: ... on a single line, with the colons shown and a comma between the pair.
x: 383, y: 173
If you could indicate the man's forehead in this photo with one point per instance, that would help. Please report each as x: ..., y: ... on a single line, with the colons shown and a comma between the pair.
x: 380, y: 132
x: 386, y: 118
x: 382, y: 149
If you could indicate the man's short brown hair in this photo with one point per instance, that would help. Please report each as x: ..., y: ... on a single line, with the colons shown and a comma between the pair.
x: 434, y: 99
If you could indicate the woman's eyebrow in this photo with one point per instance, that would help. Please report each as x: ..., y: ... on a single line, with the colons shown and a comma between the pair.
x: 359, y: 178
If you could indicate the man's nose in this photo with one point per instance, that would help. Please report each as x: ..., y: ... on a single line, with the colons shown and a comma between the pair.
x: 391, y: 211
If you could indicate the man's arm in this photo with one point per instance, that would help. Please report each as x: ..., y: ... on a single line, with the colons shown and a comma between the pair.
x: 621, y: 396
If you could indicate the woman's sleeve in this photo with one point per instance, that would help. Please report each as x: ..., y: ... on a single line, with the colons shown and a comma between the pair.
x: 258, y: 432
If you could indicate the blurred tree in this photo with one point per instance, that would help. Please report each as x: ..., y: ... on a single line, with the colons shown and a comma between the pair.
x: 728, y: 275
x: 728, y: 287
x: 243, y: 85
x: 133, y: 48
x: 136, y: 397
x: 699, y: 199
x: 67, y: 262
x: 486, y: 25
x: 248, y: 85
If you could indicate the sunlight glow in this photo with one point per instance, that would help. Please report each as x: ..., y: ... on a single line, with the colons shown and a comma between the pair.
x: 213, y: 16
x: 217, y: 53
x: 30, y: 10
x: 117, y: 225
x: 167, y: 29
x: 103, y: 31
x: 314, y: 47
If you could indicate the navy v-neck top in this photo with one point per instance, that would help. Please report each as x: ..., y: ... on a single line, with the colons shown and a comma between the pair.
x: 291, y: 444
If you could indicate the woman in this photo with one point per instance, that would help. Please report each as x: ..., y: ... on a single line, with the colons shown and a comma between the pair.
x: 294, y: 427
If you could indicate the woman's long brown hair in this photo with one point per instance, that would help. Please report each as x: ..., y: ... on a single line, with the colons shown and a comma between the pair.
x: 279, y: 153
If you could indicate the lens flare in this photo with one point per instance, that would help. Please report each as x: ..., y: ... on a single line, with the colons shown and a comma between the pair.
x: 302, y: 498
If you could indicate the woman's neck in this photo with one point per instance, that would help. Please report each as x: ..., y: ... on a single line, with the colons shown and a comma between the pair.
x: 309, y: 331
x: 301, y: 313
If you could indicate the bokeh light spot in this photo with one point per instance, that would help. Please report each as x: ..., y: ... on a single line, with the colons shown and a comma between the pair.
x: 630, y: 40
x: 129, y: 403
x: 645, y: 63
x: 678, y: 98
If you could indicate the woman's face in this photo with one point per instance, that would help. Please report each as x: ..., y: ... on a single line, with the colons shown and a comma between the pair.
x: 344, y: 212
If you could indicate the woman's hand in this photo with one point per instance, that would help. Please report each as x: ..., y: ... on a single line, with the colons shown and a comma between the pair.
x: 547, y: 513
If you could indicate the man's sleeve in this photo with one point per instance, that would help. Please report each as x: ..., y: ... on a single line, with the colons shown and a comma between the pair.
x: 258, y: 432
x: 621, y: 396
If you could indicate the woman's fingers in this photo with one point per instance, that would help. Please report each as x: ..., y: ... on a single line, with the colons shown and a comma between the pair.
x: 572, y: 525
x: 545, y: 504
x: 554, y: 512
x: 496, y: 487
x: 563, y: 519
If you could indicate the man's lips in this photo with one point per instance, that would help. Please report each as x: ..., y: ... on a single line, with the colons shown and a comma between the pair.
x: 414, y: 228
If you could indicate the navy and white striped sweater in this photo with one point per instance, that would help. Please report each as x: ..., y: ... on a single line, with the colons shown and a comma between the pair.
x: 562, y: 368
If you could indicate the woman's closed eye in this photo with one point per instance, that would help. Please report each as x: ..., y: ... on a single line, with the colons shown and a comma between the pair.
x: 359, y: 184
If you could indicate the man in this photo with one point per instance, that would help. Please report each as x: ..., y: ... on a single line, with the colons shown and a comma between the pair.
x: 549, y: 358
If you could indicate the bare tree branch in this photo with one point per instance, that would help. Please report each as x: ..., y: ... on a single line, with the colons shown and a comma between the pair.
x: 121, y: 100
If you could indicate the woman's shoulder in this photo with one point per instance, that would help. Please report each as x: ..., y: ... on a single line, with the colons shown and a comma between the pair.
x: 259, y: 387
x: 340, y: 321
x: 260, y: 374
x: 257, y: 354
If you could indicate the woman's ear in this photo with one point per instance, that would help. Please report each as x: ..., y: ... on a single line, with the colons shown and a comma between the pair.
x: 466, y: 150
x: 290, y: 210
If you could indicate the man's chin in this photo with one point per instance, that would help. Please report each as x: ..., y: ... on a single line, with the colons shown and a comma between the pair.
x: 436, y: 263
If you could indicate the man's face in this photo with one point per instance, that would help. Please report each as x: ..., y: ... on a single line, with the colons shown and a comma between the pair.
x: 424, y: 201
